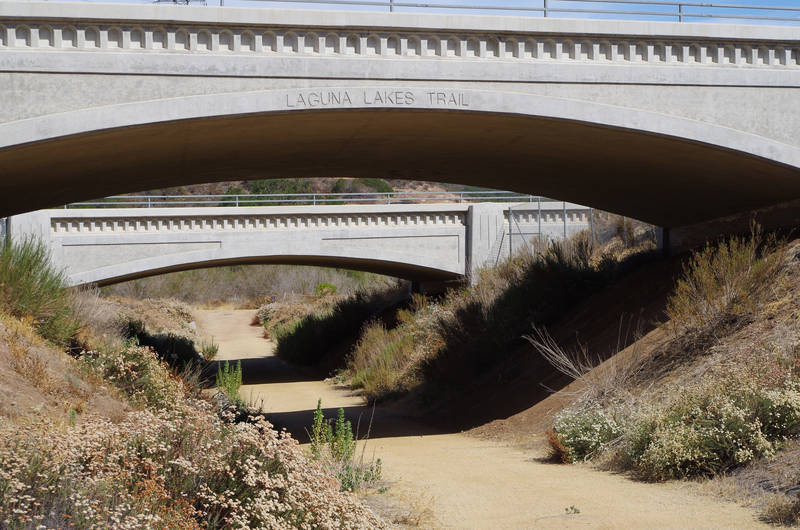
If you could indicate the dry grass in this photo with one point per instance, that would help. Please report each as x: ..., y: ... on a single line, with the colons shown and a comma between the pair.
x: 245, y: 286
x: 724, y: 285
x: 599, y: 378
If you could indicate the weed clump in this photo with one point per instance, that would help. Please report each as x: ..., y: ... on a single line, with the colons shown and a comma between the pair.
x: 335, y: 446
x: 209, y: 350
x: 229, y: 380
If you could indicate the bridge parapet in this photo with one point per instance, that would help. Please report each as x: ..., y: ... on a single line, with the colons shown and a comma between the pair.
x: 425, y: 242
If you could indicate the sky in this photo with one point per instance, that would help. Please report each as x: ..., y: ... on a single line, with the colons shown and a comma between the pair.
x: 601, y: 9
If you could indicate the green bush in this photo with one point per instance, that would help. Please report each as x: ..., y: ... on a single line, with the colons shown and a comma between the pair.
x: 139, y: 373
x: 324, y: 289
x: 30, y: 287
x: 335, y: 446
x: 229, y: 380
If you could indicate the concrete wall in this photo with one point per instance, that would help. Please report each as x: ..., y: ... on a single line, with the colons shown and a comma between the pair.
x: 419, y: 242
x: 669, y: 123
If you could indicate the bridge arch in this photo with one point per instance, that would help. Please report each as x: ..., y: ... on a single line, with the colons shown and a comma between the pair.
x: 394, y: 265
x: 665, y: 169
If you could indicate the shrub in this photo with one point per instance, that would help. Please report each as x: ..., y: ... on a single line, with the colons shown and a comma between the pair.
x: 229, y: 380
x: 379, y: 359
x: 335, y: 446
x: 246, y: 286
x: 306, y: 341
x: 324, y: 289
x: 714, y: 428
x: 138, y: 372
x: 782, y: 510
x: 31, y: 288
x: 725, y: 284
x: 184, y: 468
x: 376, y: 184
x: 209, y: 350
x: 581, y: 434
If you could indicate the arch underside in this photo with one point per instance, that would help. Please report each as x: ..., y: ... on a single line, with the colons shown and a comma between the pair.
x: 407, y: 271
x: 658, y: 178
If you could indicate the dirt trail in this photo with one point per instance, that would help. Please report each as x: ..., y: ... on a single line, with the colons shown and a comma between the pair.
x: 466, y: 482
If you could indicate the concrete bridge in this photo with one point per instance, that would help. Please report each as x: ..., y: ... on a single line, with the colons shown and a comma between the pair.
x: 665, y: 122
x: 425, y: 243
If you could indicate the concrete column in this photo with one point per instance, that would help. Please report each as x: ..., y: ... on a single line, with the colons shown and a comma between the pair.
x: 662, y: 241
x: 485, y: 232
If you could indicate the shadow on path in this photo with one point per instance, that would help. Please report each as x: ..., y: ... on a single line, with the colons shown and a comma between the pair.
x: 385, y: 423
x: 266, y: 370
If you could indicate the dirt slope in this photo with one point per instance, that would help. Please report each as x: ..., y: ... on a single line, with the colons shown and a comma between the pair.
x: 466, y: 482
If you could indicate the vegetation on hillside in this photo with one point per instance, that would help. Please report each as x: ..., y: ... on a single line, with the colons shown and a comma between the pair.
x: 307, y: 340
x: 721, y: 393
x: 443, y: 346
x: 121, y: 440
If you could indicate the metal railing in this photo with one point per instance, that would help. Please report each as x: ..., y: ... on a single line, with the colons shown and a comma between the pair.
x: 288, y: 199
x: 786, y: 11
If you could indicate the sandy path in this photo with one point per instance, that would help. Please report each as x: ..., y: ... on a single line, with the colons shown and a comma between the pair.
x: 464, y: 481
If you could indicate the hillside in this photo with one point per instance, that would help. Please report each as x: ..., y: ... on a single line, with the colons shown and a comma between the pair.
x: 309, y: 185
x: 98, y: 430
x: 710, y: 392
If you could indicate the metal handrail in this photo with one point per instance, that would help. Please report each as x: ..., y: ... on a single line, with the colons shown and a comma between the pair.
x: 152, y: 201
x: 640, y: 8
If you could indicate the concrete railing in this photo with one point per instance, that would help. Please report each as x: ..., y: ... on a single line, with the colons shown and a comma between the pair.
x: 313, y: 199
x: 775, y: 11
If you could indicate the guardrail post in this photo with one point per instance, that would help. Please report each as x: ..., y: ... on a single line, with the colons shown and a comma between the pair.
x: 148, y: 201
x: 564, y: 215
x: 3, y: 231
x: 391, y: 6
x: 237, y: 200
x: 510, y: 232
x: 539, y: 218
x: 680, y: 12
x: 591, y: 223
x: 545, y: 7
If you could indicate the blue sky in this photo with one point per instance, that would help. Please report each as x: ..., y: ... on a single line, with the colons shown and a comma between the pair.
x: 656, y: 11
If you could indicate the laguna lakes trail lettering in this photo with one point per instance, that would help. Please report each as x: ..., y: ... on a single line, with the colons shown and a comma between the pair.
x: 373, y: 97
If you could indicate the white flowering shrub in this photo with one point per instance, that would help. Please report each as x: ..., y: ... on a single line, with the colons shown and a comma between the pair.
x: 582, y: 433
x: 706, y: 430
x: 184, y: 468
x: 715, y: 428
x: 139, y: 372
x: 173, y: 463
